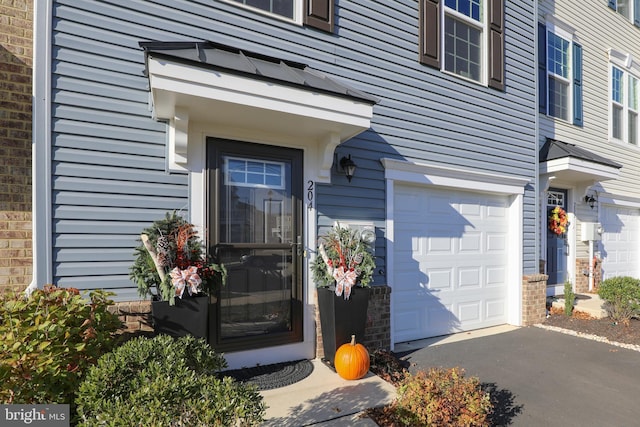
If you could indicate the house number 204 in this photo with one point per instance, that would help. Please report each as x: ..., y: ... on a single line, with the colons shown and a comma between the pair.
x: 310, y: 189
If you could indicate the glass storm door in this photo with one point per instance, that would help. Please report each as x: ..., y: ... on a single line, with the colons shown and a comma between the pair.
x: 255, y: 230
x: 556, y: 245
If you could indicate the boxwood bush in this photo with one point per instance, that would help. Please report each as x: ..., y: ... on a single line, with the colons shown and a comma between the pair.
x: 48, y: 340
x: 622, y: 297
x: 164, y: 381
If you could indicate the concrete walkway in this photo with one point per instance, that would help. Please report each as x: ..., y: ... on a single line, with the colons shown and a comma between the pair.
x: 325, y: 399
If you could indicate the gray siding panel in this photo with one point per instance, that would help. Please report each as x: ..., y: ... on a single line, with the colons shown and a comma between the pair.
x: 105, y: 140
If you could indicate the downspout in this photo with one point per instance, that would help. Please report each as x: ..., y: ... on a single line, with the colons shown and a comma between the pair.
x: 536, y: 115
x: 41, y: 146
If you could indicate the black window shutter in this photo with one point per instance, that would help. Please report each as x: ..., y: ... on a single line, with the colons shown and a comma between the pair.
x: 496, y: 44
x: 430, y: 33
x: 319, y: 14
x: 612, y: 4
x: 636, y: 13
x: 577, y: 85
x: 542, y: 68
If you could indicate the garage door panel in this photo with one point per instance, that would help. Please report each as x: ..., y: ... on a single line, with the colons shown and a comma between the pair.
x: 469, y: 278
x: 620, y: 241
x: 471, y: 242
x: 496, y: 276
x: 469, y: 312
x: 440, y: 280
x: 496, y: 310
x: 460, y: 249
x: 496, y: 242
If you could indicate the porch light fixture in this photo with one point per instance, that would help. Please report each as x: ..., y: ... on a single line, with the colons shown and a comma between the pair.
x: 590, y: 200
x: 348, y: 166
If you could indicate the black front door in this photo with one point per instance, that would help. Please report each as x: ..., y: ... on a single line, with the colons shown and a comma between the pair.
x: 254, y: 228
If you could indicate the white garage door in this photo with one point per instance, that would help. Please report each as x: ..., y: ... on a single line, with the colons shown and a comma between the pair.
x: 450, y: 262
x: 620, y: 241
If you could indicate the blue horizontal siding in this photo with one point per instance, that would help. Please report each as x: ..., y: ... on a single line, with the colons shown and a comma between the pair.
x: 109, y: 170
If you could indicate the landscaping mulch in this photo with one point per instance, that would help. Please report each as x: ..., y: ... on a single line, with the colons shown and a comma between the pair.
x: 605, y: 327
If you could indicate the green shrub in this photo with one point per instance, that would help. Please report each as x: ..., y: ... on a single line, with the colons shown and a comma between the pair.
x: 442, y: 397
x: 163, y: 381
x: 48, y: 340
x: 569, y: 298
x: 622, y: 297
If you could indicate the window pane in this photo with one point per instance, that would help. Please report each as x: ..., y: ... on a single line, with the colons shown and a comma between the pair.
x: 616, y: 122
x: 470, y: 8
x: 558, y: 55
x: 633, y: 128
x: 462, y: 49
x: 278, y: 7
x: 623, y: 8
x: 633, y: 93
x: 616, y: 85
x: 558, y: 98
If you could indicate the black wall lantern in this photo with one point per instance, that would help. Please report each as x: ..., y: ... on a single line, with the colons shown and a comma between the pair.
x: 590, y: 200
x: 348, y: 166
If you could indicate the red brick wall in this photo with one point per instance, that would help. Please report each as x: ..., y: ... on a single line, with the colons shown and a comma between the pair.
x: 16, y: 61
x: 582, y: 277
x: 534, y: 299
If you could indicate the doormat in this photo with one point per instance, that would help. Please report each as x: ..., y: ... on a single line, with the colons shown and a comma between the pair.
x: 268, y: 377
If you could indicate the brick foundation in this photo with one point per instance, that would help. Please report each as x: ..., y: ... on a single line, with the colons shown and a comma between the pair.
x: 534, y: 299
x: 582, y: 277
x: 378, y: 330
x: 135, y: 315
x: 16, y: 62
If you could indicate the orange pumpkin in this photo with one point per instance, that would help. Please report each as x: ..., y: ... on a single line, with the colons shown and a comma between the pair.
x: 352, y: 360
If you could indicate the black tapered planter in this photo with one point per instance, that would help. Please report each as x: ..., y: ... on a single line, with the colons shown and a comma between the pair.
x: 188, y: 317
x: 340, y: 318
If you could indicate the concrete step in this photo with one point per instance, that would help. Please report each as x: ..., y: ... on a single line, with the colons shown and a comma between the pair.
x: 590, y: 304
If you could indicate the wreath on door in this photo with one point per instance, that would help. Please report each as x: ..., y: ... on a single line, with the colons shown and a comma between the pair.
x: 558, y: 221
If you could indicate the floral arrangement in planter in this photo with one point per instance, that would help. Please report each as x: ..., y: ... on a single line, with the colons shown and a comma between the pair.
x: 558, y: 221
x: 172, y: 259
x: 344, y: 260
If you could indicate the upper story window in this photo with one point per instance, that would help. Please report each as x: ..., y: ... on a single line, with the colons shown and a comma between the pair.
x: 560, y: 72
x: 315, y: 13
x: 464, y: 37
x: 278, y: 7
x: 624, y: 106
x: 630, y: 9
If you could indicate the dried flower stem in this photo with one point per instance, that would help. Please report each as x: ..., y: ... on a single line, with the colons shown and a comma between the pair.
x: 154, y: 256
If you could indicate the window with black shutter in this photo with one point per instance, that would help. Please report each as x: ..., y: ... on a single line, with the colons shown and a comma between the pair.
x: 454, y: 36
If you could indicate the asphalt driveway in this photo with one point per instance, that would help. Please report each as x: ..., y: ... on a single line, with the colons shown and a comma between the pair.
x: 545, y: 378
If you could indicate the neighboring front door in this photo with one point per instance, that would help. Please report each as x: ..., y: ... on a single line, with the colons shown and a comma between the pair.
x: 556, y: 244
x: 254, y: 228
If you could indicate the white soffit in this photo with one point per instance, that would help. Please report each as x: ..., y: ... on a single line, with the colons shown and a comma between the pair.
x: 570, y: 169
x: 184, y: 93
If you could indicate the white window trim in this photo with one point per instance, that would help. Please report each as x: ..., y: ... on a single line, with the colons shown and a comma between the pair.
x: 297, y: 11
x: 631, y: 7
x: 566, y: 32
x: 630, y: 67
x: 484, y: 50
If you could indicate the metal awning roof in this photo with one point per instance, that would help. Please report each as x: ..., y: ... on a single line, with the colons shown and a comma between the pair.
x: 572, y: 164
x: 554, y: 149
x: 230, y: 59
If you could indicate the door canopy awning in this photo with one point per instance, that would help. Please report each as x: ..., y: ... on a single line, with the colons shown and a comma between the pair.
x: 245, y: 94
x: 572, y: 164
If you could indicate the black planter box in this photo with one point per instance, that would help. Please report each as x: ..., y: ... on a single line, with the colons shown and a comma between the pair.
x: 188, y: 317
x: 340, y: 318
